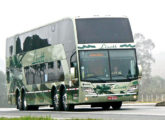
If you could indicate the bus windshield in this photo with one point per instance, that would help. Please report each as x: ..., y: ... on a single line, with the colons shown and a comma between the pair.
x: 103, y: 30
x: 108, y: 65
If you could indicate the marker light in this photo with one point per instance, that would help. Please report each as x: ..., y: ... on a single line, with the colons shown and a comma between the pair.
x: 86, y: 99
x: 134, y: 96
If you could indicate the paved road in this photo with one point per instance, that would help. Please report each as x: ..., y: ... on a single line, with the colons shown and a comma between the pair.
x: 127, y: 112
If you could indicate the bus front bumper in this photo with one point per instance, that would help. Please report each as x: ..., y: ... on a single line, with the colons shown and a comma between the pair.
x: 110, y: 97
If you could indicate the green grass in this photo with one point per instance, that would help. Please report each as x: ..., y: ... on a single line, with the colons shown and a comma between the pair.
x: 27, y: 118
x: 39, y: 118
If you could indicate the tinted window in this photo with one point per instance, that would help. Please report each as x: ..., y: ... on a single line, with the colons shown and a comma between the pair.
x: 8, y: 76
x: 103, y: 30
x: 29, y: 74
x: 34, y: 42
x: 18, y: 46
x: 94, y: 65
x: 30, y: 43
x: 123, y: 64
x: 55, y: 72
x: 37, y: 75
x: 43, y: 73
x: 10, y: 47
x: 108, y: 65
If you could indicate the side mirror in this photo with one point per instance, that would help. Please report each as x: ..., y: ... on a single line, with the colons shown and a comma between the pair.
x: 73, y: 64
x: 72, y: 71
x: 140, y: 71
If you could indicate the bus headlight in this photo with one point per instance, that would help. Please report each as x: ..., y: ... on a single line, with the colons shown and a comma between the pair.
x: 135, y: 97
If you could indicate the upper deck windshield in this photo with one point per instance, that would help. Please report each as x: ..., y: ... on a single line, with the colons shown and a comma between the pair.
x: 103, y: 30
x: 108, y: 65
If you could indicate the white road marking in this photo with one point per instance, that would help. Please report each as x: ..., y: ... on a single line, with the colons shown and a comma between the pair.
x: 8, y: 109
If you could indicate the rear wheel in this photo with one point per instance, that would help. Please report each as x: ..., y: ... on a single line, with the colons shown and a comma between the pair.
x: 116, y: 105
x: 64, y: 106
x: 18, y: 100
x: 55, y: 101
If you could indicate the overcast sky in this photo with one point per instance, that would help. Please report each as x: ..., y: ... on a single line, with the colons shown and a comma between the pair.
x: 146, y: 16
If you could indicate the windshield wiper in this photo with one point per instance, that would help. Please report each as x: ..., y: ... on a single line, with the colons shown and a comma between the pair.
x: 118, y: 76
x: 131, y: 78
x: 97, y: 81
x: 95, y: 77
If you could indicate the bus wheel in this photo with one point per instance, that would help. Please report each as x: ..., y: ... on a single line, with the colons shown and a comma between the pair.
x: 70, y: 107
x: 116, y: 105
x: 105, y: 107
x: 32, y: 107
x: 24, y: 102
x: 18, y: 100
x: 63, y: 102
x: 55, y: 101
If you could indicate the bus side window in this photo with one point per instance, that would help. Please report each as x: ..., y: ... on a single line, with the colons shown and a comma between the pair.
x: 73, y: 60
x: 26, y: 69
x: 60, y: 72
x: 29, y: 74
x: 37, y: 79
x: 51, y: 72
x: 59, y: 64
x: 43, y: 72
x: 73, y: 63
x: 11, y: 50
x: 50, y: 65
x: 8, y: 76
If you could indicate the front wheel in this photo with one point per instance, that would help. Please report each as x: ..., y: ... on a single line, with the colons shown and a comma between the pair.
x: 18, y: 100
x: 105, y: 106
x: 116, y: 105
x: 24, y: 105
x: 24, y: 102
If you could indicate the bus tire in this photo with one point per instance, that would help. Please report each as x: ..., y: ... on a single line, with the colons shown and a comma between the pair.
x: 32, y: 107
x: 24, y: 102
x: 70, y: 107
x: 105, y: 106
x: 63, y: 100
x: 18, y: 100
x: 64, y: 106
x: 116, y: 105
x: 55, y: 100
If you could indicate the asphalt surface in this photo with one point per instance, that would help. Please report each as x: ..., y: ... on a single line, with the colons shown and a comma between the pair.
x: 127, y: 112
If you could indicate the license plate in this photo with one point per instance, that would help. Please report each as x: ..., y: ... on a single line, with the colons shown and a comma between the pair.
x: 112, y: 97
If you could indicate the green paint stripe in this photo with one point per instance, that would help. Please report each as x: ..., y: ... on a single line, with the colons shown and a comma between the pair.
x: 87, y: 46
x: 127, y: 45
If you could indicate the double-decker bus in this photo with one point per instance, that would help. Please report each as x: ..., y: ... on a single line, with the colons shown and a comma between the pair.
x: 74, y: 61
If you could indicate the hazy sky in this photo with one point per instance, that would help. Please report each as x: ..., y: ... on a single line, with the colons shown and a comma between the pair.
x: 146, y: 16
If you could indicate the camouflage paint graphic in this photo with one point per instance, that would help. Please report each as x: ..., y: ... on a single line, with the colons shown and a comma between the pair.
x: 87, y: 46
x: 40, y: 94
x: 127, y: 45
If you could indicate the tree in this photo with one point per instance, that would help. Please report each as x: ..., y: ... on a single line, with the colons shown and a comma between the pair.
x: 144, y: 49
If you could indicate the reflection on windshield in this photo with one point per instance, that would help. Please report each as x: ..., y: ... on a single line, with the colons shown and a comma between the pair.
x: 94, y: 65
x: 123, y: 64
x: 104, y: 65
